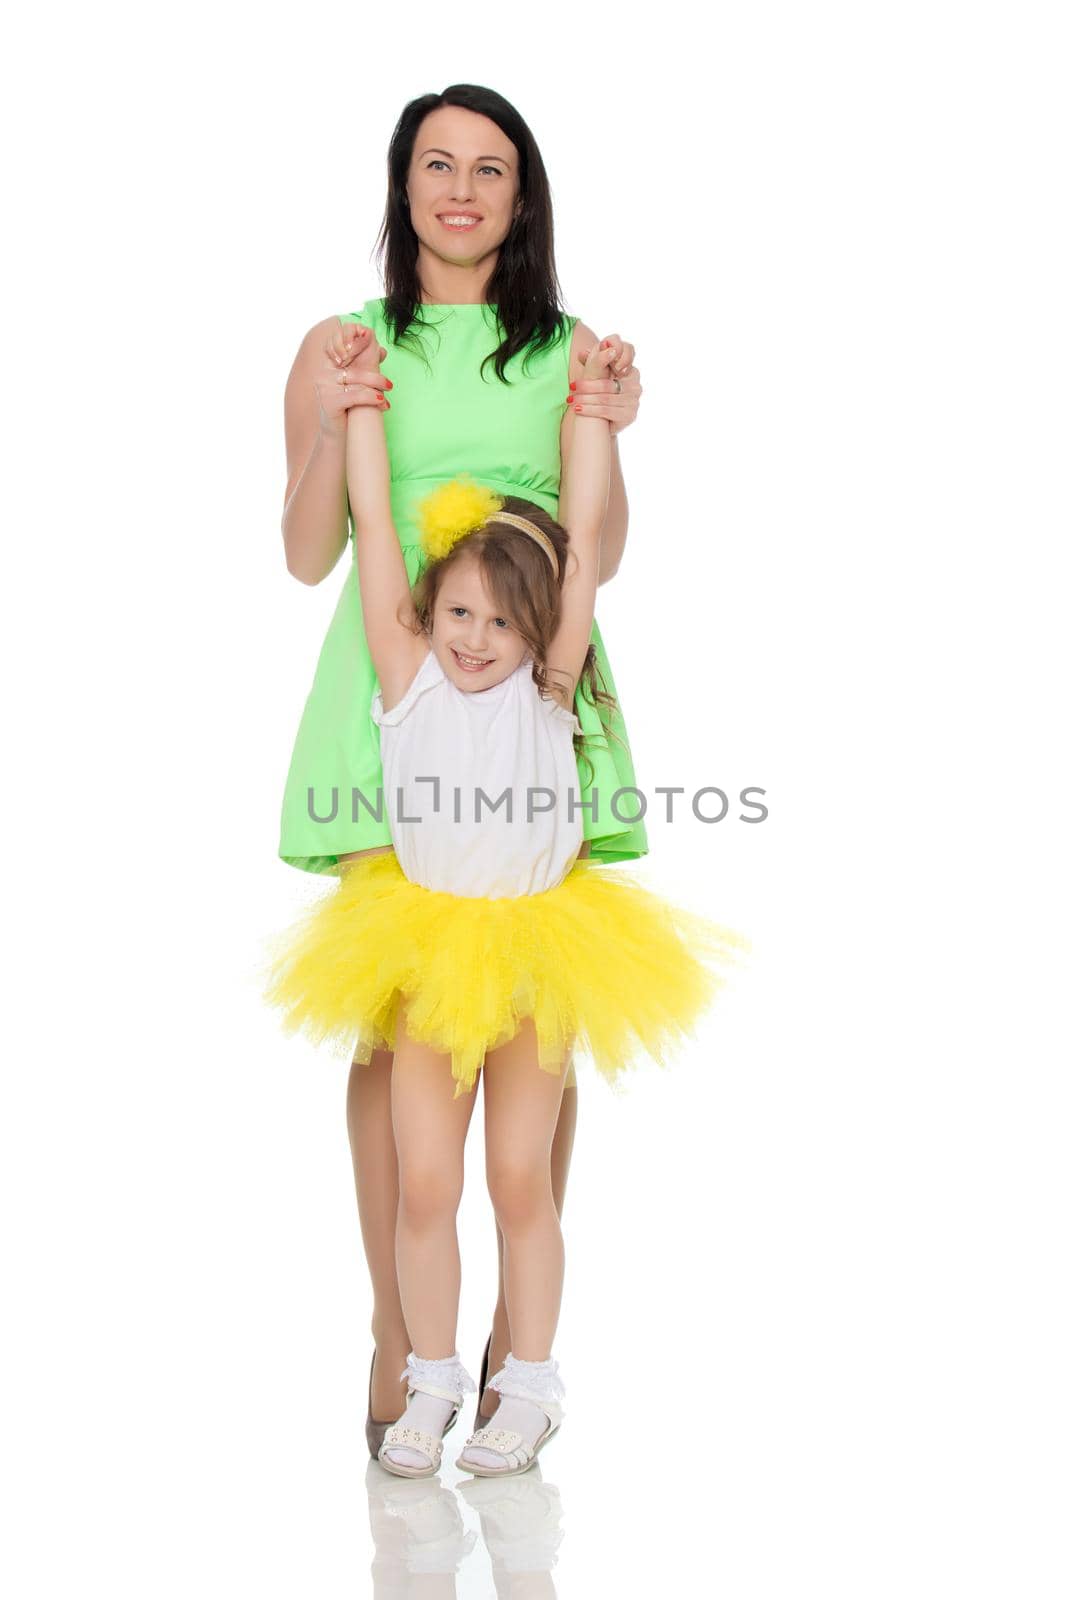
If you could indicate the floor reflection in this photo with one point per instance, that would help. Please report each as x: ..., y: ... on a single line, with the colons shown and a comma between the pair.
x: 422, y: 1538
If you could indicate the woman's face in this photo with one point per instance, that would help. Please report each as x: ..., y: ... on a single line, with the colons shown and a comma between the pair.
x: 463, y: 185
x: 477, y: 644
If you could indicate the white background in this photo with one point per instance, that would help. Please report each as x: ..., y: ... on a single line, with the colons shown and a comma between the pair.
x: 815, y: 1272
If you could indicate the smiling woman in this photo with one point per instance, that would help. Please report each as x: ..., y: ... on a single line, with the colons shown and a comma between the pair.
x: 480, y: 355
x: 484, y: 367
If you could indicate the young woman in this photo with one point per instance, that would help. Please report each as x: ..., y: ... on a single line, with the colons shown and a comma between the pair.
x: 478, y: 353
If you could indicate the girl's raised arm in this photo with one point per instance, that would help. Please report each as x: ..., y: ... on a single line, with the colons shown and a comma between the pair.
x: 388, y: 614
x: 583, y: 500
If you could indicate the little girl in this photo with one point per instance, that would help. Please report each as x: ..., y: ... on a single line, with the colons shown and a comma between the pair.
x: 483, y: 943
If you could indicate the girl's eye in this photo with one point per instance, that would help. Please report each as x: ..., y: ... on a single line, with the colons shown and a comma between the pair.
x: 456, y: 611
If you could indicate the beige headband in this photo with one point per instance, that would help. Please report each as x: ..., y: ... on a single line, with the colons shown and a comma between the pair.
x: 535, y: 533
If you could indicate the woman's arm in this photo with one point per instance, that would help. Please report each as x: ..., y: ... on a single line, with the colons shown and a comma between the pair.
x: 583, y: 501
x: 315, y: 517
x: 388, y: 614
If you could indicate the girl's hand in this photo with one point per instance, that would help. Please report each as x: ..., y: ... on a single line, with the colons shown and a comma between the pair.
x: 365, y: 356
x: 616, y: 395
x: 352, y: 380
x: 342, y: 344
x: 597, y: 365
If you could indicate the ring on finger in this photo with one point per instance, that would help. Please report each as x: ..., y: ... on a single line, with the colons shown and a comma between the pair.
x: 618, y: 386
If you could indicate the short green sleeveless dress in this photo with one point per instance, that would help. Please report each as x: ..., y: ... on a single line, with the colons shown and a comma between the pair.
x: 446, y: 417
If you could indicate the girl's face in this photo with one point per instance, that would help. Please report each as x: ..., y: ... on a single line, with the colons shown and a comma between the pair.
x: 463, y: 185
x: 476, y: 644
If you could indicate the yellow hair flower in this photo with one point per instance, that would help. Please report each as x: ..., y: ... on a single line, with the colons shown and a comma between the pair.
x: 451, y: 511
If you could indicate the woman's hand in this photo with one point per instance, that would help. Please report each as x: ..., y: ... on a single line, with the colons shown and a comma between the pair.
x: 615, y: 397
x: 350, y: 376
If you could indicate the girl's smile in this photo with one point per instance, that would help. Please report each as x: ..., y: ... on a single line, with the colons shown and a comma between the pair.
x: 470, y: 663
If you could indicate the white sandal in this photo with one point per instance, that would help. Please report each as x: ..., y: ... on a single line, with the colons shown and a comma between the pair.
x: 536, y: 1381
x: 447, y: 1379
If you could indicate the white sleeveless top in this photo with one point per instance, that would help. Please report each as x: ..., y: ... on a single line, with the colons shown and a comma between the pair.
x: 503, y: 741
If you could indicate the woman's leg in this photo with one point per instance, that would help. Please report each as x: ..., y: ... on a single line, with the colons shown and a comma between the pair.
x: 370, y: 1137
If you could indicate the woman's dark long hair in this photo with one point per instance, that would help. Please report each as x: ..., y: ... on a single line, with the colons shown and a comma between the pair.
x: 523, y: 287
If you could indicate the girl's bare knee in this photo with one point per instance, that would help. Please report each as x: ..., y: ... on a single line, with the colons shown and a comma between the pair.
x: 428, y: 1196
x: 520, y: 1192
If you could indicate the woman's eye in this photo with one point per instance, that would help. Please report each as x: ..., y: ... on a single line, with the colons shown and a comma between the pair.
x: 439, y: 163
x: 502, y: 621
x: 456, y: 610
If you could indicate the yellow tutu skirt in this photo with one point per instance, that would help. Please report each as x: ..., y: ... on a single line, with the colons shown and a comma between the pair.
x: 601, y: 964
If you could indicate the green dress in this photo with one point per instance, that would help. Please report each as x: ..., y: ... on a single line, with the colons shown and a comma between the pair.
x: 445, y: 418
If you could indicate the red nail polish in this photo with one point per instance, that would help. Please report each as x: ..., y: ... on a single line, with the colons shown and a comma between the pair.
x: 577, y: 408
x: 574, y: 386
x: 388, y: 383
x: 570, y: 399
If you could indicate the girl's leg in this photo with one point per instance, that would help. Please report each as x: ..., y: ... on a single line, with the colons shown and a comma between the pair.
x: 562, y: 1147
x: 522, y: 1106
x: 430, y: 1127
x: 522, y: 1110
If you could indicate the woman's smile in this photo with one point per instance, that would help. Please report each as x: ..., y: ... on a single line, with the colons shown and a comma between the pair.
x: 458, y: 221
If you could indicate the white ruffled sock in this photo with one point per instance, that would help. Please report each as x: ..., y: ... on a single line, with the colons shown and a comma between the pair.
x: 429, y: 1412
x: 520, y: 1385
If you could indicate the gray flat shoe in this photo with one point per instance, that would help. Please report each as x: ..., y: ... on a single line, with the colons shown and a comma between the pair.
x: 481, y: 1420
x: 375, y: 1430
